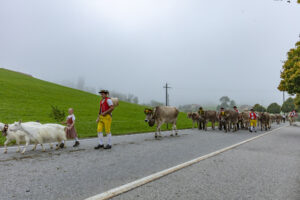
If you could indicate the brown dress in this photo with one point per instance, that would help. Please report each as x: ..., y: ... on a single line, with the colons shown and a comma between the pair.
x: 71, y: 133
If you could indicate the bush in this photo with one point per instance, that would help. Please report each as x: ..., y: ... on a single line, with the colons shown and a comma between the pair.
x: 57, y: 114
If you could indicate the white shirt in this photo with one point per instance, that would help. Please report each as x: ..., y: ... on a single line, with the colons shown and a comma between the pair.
x: 71, y: 116
x: 109, y: 102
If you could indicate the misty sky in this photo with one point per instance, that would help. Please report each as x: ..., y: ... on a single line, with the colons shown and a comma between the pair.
x: 204, y: 49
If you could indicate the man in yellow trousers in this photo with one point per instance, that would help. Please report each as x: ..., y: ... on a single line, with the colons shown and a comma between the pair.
x: 253, y: 120
x: 104, y: 119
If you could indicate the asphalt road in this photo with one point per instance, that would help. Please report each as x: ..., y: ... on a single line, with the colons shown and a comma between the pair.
x: 266, y: 168
x: 78, y: 173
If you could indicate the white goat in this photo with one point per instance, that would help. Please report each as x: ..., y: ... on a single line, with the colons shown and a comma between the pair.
x: 19, y: 136
x: 40, y: 134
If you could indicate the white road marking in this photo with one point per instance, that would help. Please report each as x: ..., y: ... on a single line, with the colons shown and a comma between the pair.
x: 132, y: 185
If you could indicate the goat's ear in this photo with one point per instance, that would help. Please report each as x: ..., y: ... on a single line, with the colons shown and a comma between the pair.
x: 20, y: 121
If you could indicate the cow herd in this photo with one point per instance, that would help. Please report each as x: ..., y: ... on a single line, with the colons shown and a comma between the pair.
x: 233, y: 120
x: 230, y: 120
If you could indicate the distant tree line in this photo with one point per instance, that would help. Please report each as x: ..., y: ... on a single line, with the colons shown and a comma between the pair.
x: 275, y: 108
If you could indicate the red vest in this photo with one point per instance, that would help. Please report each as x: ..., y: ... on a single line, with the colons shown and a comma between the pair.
x: 70, y: 121
x: 293, y: 114
x: 252, y: 116
x: 104, y: 106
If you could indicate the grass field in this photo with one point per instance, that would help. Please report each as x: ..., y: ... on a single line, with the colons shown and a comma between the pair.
x: 29, y: 99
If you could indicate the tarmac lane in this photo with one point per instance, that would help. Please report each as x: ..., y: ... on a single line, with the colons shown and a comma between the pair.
x: 78, y: 173
x: 265, y: 168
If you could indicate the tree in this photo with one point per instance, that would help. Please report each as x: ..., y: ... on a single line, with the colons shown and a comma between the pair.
x: 259, y: 108
x: 291, y: 73
x: 274, y: 108
x: 232, y: 103
x: 224, y: 99
x: 288, y: 105
x: 226, y: 103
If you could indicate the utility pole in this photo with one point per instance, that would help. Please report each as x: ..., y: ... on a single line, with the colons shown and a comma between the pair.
x: 283, y: 95
x: 167, y: 97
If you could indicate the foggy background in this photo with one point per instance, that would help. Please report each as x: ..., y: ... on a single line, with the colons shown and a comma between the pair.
x: 203, y: 49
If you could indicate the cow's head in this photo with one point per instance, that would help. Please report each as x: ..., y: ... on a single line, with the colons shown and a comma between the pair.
x: 195, y: 116
x: 189, y: 115
x: 149, y: 116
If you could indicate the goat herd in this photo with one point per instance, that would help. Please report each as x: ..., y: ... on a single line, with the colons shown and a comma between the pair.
x: 32, y: 132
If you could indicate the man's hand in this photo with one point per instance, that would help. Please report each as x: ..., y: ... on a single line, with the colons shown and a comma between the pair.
x: 97, y: 120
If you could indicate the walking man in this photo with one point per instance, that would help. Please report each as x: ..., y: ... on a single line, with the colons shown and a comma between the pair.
x: 201, y: 119
x: 236, y: 110
x: 221, y: 114
x: 253, y: 121
x: 104, y: 119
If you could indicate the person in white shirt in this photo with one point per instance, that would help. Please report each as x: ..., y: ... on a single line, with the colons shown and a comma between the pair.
x: 104, y: 119
x: 70, y: 130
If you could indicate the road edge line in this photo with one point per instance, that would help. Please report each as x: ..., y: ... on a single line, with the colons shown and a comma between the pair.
x: 137, y: 183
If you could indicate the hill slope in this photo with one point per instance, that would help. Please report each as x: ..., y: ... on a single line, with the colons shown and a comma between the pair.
x: 25, y: 98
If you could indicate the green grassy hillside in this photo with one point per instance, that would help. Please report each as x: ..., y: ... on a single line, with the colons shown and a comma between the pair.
x: 29, y: 99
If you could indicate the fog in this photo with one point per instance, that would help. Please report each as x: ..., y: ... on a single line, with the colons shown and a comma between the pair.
x: 203, y: 49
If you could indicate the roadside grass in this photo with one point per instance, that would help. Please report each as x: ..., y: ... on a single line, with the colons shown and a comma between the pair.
x: 29, y: 99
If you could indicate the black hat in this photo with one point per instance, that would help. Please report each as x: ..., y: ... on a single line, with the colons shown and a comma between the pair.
x: 234, y: 107
x: 104, y: 91
x: 251, y: 109
x: 222, y: 108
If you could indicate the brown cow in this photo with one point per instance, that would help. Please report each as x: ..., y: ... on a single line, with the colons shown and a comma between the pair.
x: 272, y: 118
x: 195, y: 118
x: 245, y: 120
x: 209, y: 116
x: 223, y: 121
x: 160, y: 115
x: 265, y: 120
x: 233, y: 119
x: 278, y: 118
